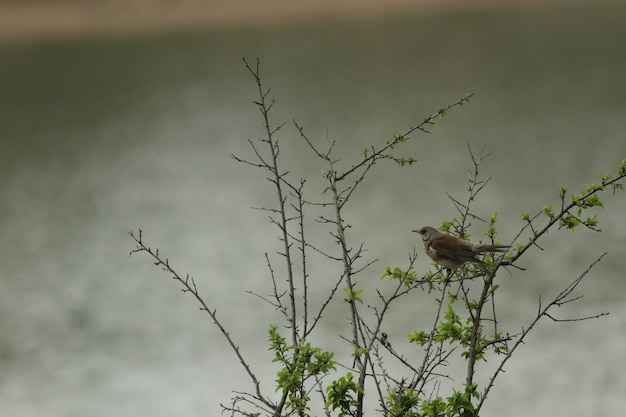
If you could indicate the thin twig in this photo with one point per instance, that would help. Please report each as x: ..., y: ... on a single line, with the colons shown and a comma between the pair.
x: 189, y: 286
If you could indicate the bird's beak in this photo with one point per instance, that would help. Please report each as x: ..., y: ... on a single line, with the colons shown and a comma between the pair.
x: 417, y: 231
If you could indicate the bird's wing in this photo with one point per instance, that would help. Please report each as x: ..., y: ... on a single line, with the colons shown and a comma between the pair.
x: 452, y: 248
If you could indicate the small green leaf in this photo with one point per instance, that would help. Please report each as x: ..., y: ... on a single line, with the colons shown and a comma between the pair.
x: 404, y: 161
x: 569, y: 222
x: 586, y: 201
x: 446, y: 225
x: 547, y: 210
x: 493, y: 289
x: 592, y: 221
x: 419, y: 337
x: 353, y: 295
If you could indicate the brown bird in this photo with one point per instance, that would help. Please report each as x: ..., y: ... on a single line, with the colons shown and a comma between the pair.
x: 452, y: 252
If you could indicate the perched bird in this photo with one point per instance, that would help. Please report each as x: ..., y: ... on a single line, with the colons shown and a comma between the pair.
x: 452, y: 252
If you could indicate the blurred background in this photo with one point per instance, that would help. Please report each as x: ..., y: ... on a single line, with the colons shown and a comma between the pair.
x: 118, y: 115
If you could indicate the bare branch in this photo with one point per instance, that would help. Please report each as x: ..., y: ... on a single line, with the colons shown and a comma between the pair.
x: 190, y: 287
x: 543, y: 312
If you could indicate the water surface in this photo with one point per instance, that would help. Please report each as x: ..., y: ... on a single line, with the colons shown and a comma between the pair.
x: 102, y: 136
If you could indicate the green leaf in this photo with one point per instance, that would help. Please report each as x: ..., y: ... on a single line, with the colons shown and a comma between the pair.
x: 491, y: 229
x: 569, y: 222
x: 404, y: 161
x: 591, y: 201
x: 492, y: 289
x: 466, y: 98
x: 547, y: 210
x: 341, y: 395
x: 446, y: 225
x: 622, y: 168
x: 592, y: 221
x: 419, y: 337
x: 353, y: 295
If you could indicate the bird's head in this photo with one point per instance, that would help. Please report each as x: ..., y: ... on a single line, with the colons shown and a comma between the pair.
x: 428, y: 233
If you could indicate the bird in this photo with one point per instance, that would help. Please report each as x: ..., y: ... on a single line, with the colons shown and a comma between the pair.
x: 452, y: 252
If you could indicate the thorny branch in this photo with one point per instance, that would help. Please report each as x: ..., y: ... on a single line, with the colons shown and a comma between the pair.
x: 189, y: 286
x: 542, y: 312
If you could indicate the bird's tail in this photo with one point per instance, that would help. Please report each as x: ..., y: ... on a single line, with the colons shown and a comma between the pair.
x: 491, y: 248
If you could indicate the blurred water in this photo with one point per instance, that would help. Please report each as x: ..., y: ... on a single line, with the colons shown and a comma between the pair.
x: 103, y: 136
